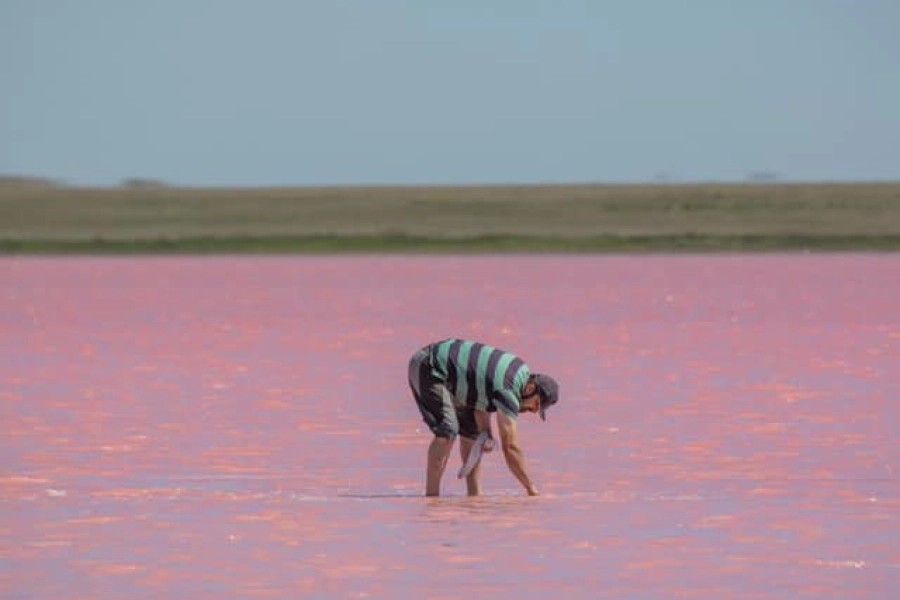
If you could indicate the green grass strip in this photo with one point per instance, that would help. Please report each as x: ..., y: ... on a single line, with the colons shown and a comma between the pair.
x: 396, y: 243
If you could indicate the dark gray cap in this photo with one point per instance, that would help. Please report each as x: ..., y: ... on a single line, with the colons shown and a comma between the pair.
x: 548, y: 390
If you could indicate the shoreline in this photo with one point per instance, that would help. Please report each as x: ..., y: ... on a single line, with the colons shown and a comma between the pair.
x: 487, y: 244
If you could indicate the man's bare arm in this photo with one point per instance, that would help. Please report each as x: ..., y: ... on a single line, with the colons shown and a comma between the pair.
x: 483, y: 421
x: 512, y: 451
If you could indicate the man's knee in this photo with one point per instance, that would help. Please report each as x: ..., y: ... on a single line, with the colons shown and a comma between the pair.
x: 442, y: 441
x: 445, y: 431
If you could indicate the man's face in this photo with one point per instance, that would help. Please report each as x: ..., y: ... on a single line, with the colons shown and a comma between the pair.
x: 530, y: 403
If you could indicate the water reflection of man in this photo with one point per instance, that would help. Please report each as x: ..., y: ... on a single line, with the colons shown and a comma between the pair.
x: 457, y: 384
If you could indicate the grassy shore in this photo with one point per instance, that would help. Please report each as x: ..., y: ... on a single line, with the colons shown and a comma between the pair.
x: 558, y: 218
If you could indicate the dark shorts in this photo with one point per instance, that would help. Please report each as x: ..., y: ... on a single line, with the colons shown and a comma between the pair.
x: 435, y: 401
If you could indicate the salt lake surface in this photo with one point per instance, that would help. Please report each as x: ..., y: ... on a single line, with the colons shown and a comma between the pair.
x: 241, y: 427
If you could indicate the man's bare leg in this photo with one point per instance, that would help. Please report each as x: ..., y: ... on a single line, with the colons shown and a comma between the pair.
x: 438, y: 453
x: 473, y: 479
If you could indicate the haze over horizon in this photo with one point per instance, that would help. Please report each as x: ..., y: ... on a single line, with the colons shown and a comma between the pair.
x: 273, y: 93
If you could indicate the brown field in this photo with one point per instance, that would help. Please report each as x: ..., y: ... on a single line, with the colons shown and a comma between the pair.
x: 823, y: 211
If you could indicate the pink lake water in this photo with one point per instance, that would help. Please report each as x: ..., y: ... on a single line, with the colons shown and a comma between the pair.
x: 242, y: 428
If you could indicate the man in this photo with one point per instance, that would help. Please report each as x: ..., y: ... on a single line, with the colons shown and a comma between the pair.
x: 457, y: 384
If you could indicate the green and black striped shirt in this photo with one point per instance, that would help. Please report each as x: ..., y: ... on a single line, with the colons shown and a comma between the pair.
x: 479, y: 375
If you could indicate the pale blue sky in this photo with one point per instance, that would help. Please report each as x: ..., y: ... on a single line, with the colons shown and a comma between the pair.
x: 275, y: 92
